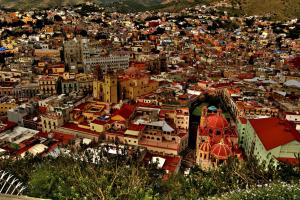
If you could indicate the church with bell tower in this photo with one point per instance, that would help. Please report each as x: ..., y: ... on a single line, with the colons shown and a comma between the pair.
x: 217, y: 140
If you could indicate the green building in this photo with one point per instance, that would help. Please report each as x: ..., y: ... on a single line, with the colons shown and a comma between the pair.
x: 269, y: 138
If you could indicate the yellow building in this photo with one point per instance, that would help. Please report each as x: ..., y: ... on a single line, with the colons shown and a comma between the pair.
x: 88, y: 111
x: 51, y: 121
x: 5, y: 106
x: 135, y: 83
x: 100, y: 126
x: 27, y: 19
x: 133, y: 134
x: 6, y: 91
x: 106, y: 90
x: 46, y: 53
x: 48, y: 85
x: 85, y: 82
x: 182, y: 118
x: 58, y: 69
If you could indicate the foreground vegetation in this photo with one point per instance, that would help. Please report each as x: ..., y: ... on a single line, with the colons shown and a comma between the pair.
x: 266, y: 192
x: 127, y: 177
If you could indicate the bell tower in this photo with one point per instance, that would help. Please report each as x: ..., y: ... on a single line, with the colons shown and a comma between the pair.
x: 110, y: 91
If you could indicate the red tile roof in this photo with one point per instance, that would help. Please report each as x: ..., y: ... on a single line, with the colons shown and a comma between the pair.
x: 243, y: 120
x: 84, y: 123
x: 102, y: 122
x: 99, y: 122
x: 62, y: 137
x: 163, y: 112
x: 75, y: 127
x: 274, y: 132
x: 7, y: 125
x: 126, y: 111
x: 171, y: 163
x: 291, y: 161
x: 24, y: 149
x: 135, y: 127
x: 82, y: 106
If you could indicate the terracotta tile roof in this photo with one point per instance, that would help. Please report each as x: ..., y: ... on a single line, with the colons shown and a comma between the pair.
x: 274, y: 132
x: 135, y: 127
x: 126, y: 111
x: 243, y: 120
x: 7, y: 125
x: 102, y: 122
x: 64, y: 138
x: 84, y: 123
x: 81, y: 106
x: 75, y: 127
x: 291, y: 161
x: 171, y: 163
x: 163, y: 112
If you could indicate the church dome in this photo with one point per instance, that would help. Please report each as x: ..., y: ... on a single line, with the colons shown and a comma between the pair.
x: 216, y: 121
x: 221, y: 151
x: 205, y: 146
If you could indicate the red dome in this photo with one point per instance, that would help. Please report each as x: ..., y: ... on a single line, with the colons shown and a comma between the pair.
x: 216, y: 121
x: 221, y: 151
x: 205, y: 146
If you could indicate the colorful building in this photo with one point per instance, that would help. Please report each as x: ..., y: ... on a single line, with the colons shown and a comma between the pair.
x: 48, y: 85
x: 68, y: 86
x: 51, y: 121
x: 271, y: 139
x: 124, y: 114
x: 217, y: 140
x: 106, y: 90
x: 85, y: 82
x: 136, y: 83
x: 5, y: 106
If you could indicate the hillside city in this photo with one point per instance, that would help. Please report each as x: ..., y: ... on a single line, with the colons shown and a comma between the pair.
x: 193, y: 90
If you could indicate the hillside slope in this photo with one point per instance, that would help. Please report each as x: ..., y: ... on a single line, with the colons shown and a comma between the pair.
x: 280, y: 9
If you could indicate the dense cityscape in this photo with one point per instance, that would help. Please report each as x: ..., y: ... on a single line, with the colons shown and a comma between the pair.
x: 192, y: 104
